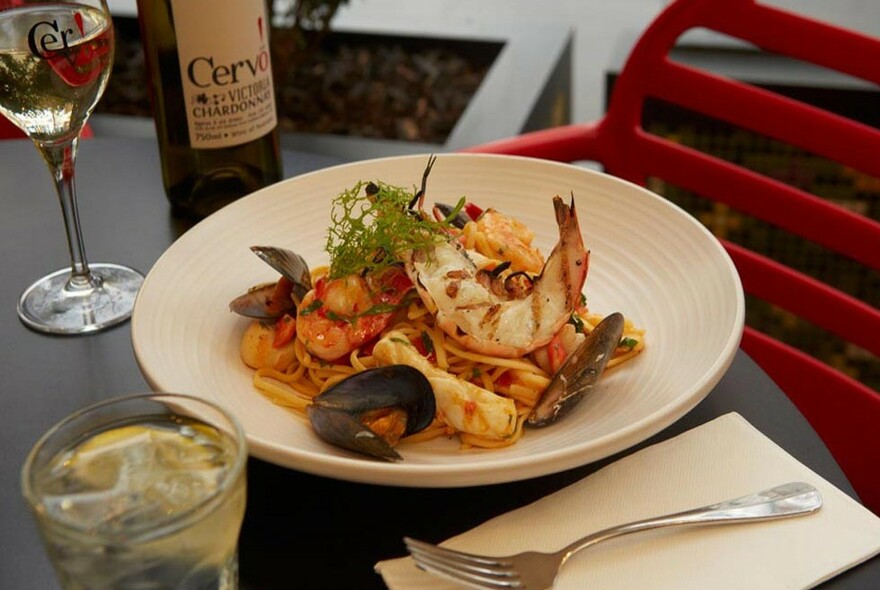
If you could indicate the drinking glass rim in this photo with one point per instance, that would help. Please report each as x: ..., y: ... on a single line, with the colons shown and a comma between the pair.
x: 173, y: 523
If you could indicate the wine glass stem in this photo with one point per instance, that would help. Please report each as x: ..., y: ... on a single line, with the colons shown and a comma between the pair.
x: 60, y: 157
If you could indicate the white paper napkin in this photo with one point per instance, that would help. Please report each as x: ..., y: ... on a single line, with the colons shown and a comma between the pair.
x: 722, y: 459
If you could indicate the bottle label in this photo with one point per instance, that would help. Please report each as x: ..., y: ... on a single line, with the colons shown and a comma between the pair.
x: 226, y: 71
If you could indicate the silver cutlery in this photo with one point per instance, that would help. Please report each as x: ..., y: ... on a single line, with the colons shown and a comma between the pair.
x: 537, y: 571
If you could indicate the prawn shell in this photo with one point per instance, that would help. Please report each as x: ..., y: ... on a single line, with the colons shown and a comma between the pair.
x: 502, y: 324
x: 335, y: 413
x: 579, y: 373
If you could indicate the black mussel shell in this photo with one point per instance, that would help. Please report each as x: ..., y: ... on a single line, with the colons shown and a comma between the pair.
x: 335, y: 413
x: 579, y: 373
x: 291, y: 265
x: 346, y: 431
x: 258, y: 303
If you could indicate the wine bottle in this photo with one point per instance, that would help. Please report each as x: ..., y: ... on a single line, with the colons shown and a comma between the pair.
x: 213, y: 99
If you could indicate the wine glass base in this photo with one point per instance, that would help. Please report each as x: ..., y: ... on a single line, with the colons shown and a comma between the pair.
x: 54, y: 306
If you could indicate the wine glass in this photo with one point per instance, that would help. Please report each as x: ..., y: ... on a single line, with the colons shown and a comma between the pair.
x: 55, y: 59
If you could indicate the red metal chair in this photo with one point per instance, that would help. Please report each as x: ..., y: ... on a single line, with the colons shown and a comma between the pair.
x: 845, y: 412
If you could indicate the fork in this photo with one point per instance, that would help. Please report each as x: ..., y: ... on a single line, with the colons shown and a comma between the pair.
x: 537, y: 571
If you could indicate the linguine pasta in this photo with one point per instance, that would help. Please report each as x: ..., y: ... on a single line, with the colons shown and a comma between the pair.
x: 522, y: 379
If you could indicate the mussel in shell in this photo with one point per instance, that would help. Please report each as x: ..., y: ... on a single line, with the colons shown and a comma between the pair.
x: 292, y: 267
x: 272, y: 300
x: 578, y: 373
x: 263, y: 302
x: 371, y: 410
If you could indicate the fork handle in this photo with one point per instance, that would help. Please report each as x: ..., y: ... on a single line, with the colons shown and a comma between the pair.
x: 784, y: 501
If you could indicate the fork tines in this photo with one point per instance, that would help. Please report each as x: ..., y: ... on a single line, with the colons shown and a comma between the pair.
x: 477, y: 571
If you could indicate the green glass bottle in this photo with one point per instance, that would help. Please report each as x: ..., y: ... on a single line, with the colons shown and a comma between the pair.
x: 213, y: 99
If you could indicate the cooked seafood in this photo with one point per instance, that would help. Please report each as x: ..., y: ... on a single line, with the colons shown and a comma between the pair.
x: 509, y: 239
x: 339, y: 315
x: 461, y: 404
x: 266, y: 301
x: 579, y: 372
x: 478, y: 317
x: 292, y: 267
x: 454, y: 326
x: 260, y: 348
x: 370, y: 411
x: 273, y: 300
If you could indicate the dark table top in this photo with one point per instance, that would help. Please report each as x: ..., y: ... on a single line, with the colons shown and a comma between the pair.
x: 296, y: 524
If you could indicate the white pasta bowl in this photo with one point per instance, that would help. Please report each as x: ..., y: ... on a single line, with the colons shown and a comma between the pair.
x: 649, y: 260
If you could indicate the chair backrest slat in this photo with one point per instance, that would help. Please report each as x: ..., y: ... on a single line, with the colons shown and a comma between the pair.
x: 799, y: 212
x: 800, y: 37
x: 824, y: 306
x: 771, y: 114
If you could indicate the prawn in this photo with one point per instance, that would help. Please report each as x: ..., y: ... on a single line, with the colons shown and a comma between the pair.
x: 340, y: 315
x: 508, y: 239
x: 493, y: 321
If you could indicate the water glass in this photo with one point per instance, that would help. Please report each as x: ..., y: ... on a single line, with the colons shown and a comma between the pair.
x: 144, y: 491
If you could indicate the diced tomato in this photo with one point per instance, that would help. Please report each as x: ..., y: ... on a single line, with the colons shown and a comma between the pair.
x: 556, y: 354
x: 285, y: 330
x: 400, y: 282
x: 321, y: 288
x: 472, y: 210
x: 393, y: 285
x: 504, y: 379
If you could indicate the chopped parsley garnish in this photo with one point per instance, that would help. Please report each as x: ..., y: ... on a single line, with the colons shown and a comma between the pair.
x: 628, y: 343
x: 311, y: 307
x: 377, y: 309
x: 455, y: 211
x: 427, y: 343
x: 335, y: 317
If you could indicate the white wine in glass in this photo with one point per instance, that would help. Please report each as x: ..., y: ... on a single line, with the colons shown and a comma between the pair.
x: 55, y: 59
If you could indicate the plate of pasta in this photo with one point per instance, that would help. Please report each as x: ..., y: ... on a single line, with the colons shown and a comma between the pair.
x: 523, y: 259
